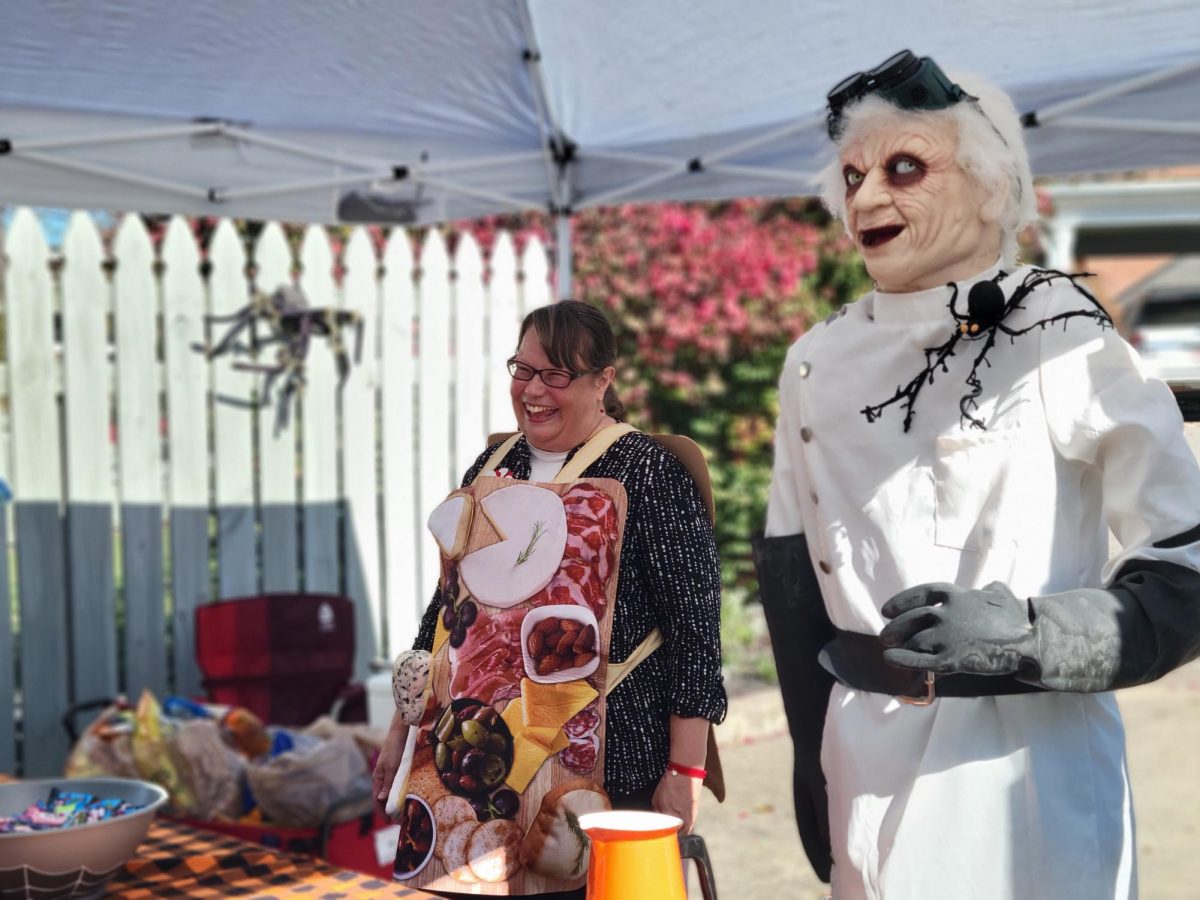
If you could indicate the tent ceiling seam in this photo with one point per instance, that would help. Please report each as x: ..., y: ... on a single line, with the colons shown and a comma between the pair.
x: 1150, y: 126
x: 713, y: 162
x: 127, y: 177
x: 117, y: 137
x: 296, y: 149
x: 1057, y: 110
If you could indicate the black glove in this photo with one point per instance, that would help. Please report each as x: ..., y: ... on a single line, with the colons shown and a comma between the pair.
x: 1146, y: 624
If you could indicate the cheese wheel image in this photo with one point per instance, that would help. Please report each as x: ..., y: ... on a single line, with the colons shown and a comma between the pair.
x: 554, y: 847
x: 533, y: 523
x: 450, y: 523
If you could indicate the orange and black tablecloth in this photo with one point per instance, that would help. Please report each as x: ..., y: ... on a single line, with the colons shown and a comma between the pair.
x: 176, y: 860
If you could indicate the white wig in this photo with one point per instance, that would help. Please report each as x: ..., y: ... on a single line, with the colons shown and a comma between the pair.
x: 991, y: 149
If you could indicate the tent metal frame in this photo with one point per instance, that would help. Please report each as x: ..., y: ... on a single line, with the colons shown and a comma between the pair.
x: 558, y: 153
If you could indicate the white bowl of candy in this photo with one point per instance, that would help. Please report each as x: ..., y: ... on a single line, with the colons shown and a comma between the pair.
x: 66, y: 837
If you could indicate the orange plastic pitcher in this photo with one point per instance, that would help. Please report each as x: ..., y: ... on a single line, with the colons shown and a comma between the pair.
x: 637, y: 854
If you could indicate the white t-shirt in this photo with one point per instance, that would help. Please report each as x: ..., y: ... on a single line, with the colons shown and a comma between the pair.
x: 544, y: 465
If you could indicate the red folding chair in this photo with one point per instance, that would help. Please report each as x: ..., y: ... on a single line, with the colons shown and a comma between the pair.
x: 288, y: 658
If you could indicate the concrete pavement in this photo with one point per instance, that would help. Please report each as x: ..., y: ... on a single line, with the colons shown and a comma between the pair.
x: 755, y: 848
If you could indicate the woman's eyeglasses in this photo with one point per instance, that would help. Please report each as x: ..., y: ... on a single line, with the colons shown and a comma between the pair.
x: 554, y: 378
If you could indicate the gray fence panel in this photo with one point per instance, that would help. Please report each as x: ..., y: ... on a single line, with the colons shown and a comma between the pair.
x: 190, y: 588
x: 44, y: 666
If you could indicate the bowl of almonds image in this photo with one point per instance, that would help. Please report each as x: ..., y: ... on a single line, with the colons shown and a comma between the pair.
x: 560, y: 643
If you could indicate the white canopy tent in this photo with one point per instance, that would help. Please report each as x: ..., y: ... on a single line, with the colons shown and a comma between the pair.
x: 418, y: 111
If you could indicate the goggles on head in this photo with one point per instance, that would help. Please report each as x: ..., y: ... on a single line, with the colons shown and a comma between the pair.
x: 908, y: 81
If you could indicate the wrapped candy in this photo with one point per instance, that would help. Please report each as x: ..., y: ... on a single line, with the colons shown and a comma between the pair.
x: 62, y: 809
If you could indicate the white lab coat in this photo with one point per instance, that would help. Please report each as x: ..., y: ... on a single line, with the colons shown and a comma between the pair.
x: 1022, y: 796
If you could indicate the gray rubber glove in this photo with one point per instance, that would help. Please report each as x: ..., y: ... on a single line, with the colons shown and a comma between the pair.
x: 945, y: 628
x: 1146, y: 624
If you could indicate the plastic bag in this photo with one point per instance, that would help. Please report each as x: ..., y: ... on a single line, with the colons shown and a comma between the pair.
x: 105, y: 748
x: 368, y: 739
x: 188, y: 757
x: 298, y: 789
x: 211, y: 770
x: 155, y: 755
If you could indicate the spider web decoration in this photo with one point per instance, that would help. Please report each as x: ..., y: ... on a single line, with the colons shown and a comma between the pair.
x: 292, y: 324
x: 984, y: 325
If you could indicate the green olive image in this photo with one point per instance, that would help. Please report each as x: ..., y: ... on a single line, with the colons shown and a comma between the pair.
x: 458, y: 743
x: 475, y: 733
x: 445, y: 727
x: 494, y: 771
x: 496, y: 743
x: 442, y: 758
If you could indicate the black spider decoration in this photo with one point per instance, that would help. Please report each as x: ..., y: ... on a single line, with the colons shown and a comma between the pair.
x: 292, y: 324
x: 986, y: 311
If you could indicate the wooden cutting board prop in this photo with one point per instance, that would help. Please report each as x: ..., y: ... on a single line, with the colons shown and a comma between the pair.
x: 511, y: 745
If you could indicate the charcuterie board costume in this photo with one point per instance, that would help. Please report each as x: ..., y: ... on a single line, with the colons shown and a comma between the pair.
x: 510, y: 746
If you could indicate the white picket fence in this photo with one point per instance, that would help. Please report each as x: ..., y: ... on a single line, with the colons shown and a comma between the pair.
x: 138, y: 497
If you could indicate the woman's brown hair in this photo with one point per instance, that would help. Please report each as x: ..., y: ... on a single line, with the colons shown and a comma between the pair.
x: 576, y: 336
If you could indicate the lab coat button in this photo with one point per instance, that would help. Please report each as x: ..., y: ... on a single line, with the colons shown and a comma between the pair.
x: 825, y: 567
x: 805, y: 368
x: 812, y: 495
x: 806, y: 434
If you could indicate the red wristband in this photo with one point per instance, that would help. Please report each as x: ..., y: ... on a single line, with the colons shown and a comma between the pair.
x: 676, y: 769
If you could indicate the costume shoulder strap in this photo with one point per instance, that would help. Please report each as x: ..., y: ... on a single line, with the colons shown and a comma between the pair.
x: 689, y: 453
x: 498, y: 457
x: 592, y: 451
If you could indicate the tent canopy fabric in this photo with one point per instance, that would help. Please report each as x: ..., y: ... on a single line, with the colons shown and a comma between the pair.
x: 426, y: 110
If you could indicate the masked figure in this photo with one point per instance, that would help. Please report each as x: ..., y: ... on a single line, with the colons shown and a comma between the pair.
x: 952, y: 449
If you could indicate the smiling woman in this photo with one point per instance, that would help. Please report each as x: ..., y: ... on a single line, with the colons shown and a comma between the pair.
x: 615, y: 684
x: 562, y: 376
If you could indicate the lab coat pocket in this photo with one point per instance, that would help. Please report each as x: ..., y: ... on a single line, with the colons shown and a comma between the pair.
x: 972, y: 474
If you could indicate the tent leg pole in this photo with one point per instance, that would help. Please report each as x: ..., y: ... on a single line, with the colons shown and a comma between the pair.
x: 562, y: 247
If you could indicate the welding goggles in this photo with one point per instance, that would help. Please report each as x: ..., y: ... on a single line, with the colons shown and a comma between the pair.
x: 906, y: 80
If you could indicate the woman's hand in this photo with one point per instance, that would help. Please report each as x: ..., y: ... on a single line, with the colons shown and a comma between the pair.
x: 388, y: 762
x: 678, y: 795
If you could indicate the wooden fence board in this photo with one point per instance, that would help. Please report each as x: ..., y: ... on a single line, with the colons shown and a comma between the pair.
x: 87, y: 387
x: 8, y: 737
x: 186, y: 379
x: 139, y: 457
x: 233, y: 419
x: 535, y: 276
x: 503, y: 323
x: 37, y: 486
x: 405, y: 594
x: 276, y: 439
x: 319, y: 431
x: 360, y: 482
x: 470, y: 395
x: 433, y: 389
